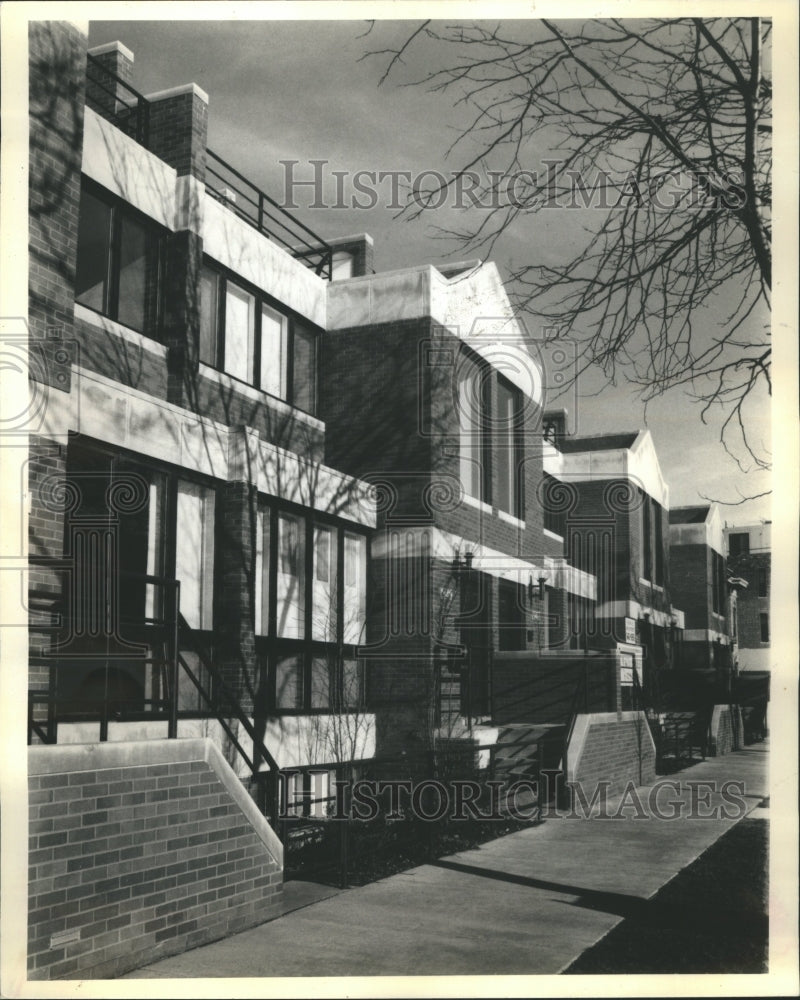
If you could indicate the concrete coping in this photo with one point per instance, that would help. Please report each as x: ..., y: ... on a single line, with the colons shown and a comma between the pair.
x: 100, y: 50
x: 184, y: 88
x: 72, y: 758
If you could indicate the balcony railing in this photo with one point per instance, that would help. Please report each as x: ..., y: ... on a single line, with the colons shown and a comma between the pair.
x: 264, y: 214
x: 109, y: 96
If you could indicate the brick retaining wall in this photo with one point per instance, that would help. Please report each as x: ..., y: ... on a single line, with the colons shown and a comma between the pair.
x: 138, y: 851
x: 612, y: 747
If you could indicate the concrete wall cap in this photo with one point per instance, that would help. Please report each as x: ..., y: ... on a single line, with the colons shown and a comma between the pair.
x: 100, y: 50
x: 185, y: 88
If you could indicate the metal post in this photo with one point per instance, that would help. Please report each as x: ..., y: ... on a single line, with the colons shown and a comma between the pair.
x: 172, y: 728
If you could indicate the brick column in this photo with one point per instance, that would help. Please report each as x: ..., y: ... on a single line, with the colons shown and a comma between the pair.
x: 184, y: 253
x: 179, y: 128
x: 56, y: 91
x: 103, y: 91
x: 236, y: 645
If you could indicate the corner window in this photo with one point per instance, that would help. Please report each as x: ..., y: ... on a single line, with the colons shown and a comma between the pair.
x: 118, y: 261
x: 246, y: 336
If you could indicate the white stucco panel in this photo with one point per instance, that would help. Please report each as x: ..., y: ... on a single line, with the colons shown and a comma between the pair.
x: 127, y: 169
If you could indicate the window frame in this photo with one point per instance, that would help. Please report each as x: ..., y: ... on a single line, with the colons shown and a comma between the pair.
x: 480, y: 422
x: 155, y: 233
x: 293, y: 322
x: 763, y: 624
x: 513, y: 443
x: 270, y: 647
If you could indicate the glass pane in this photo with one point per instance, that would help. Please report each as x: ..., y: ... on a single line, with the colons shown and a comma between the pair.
x: 320, y: 683
x: 469, y: 427
x: 289, y: 682
x: 239, y: 332
x: 323, y: 619
x: 304, y: 372
x: 352, y: 688
x: 194, y: 558
x: 261, y: 598
x: 156, y: 599
x: 273, y: 352
x: 209, y: 315
x: 133, y: 264
x: 355, y: 588
x: 94, y: 247
x: 505, y: 453
x: 291, y: 576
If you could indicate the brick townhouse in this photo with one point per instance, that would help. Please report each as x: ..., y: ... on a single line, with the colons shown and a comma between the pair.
x: 749, y: 552
x: 286, y: 515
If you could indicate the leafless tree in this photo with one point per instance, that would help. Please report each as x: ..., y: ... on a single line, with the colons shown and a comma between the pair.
x: 663, y: 127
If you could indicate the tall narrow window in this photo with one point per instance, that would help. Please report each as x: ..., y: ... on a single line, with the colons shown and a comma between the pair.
x: 239, y: 332
x: 209, y: 316
x: 261, y: 596
x: 135, y: 261
x: 274, y: 346
x: 155, y: 544
x: 194, y: 559
x: 511, y: 616
x: 355, y: 588
x: 647, y: 551
x: 507, y: 448
x: 291, y: 577
x: 658, y: 544
x: 320, y: 682
x: 94, y: 253
x: 304, y: 368
x: 762, y: 582
x: 764, y: 622
x: 470, y: 418
x: 323, y: 617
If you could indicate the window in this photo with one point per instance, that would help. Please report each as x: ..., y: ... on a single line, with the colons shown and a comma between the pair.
x: 658, y: 544
x: 247, y: 337
x: 762, y: 581
x: 310, y: 603
x: 291, y: 577
x: 309, y: 793
x: 323, y: 619
x: 554, y: 518
x: 507, y: 445
x: 512, y: 615
x: 647, y: 542
x: 471, y: 404
x: 118, y: 261
x: 739, y: 543
x: 764, y: 622
x: 194, y: 557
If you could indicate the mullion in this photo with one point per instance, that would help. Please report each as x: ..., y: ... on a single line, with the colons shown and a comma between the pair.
x: 114, y: 255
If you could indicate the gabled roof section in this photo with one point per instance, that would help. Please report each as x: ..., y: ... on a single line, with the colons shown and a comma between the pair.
x: 629, y: 455
x: 597, y: 442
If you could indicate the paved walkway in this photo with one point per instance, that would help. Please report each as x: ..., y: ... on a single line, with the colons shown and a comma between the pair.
x: 528, y: 903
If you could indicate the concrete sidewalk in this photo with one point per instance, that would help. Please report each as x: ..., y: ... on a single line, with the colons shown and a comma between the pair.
x: 528, y: 903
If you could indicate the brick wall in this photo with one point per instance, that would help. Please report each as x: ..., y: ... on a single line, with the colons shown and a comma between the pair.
x: 56, y: 92
x: 750, y: 605
x: 179, y: 131
x: 138, y: 851
x: 726, y: 730
x: 614, y: 748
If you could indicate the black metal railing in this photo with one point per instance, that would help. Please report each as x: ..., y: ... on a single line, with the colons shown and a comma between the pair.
x: 264, y: 214
x: 112, y: 98
x: 158, y: 647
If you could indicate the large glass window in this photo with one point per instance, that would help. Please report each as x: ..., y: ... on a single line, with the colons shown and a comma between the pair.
x: 118, y: 261
x: 259, y: 344
x: 289, y: 682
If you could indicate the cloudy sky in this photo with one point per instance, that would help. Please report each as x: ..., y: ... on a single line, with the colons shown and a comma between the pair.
x: 307, y: 90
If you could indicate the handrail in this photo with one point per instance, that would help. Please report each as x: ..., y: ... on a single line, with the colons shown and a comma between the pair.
x: 138, y: 109
x: 318, y: 253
